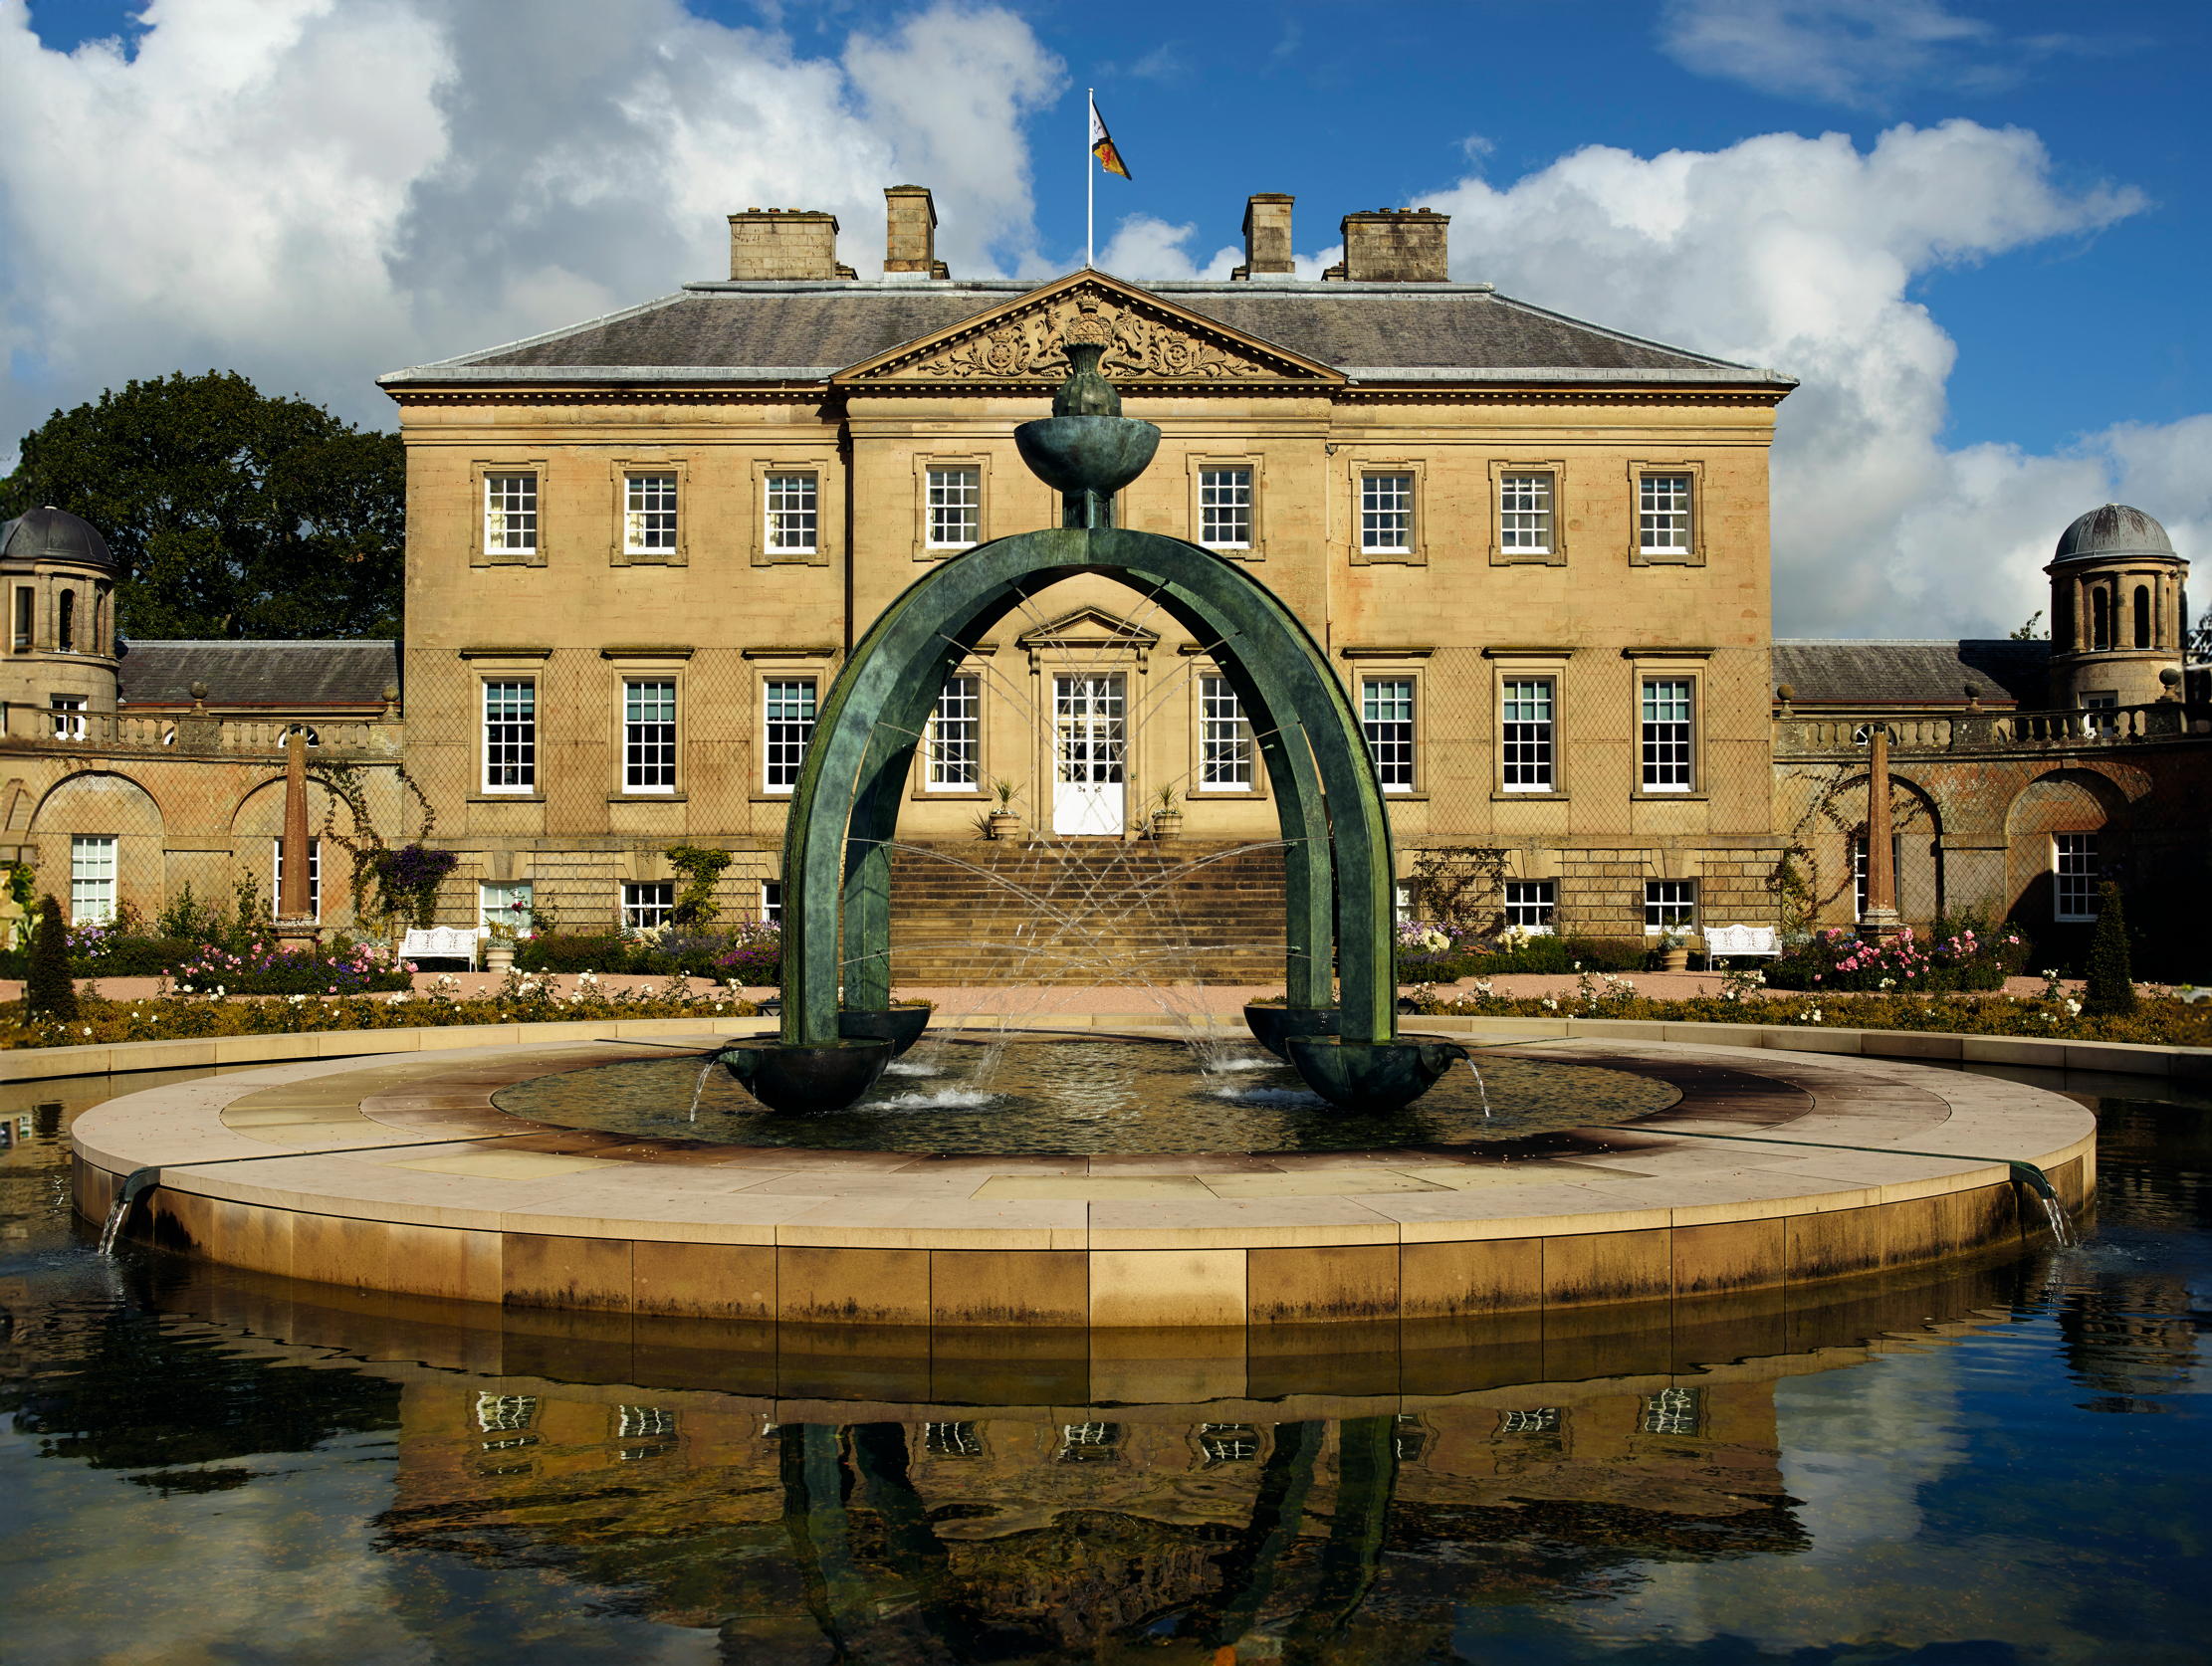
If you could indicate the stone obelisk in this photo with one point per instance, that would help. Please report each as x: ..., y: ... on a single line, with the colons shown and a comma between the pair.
x: 1880, y: 920
x: 295, y: 924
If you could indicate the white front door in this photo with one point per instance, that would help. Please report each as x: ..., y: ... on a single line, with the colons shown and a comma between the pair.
x: 1088, y: 746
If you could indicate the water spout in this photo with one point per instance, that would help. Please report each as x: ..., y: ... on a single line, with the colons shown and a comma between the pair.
x: 134, y: 1186
x: 2054, y: 1211
x: 699, y: 1088
x: 1481, y: 1086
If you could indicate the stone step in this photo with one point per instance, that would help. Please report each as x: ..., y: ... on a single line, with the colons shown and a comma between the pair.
x: 1084, y: 913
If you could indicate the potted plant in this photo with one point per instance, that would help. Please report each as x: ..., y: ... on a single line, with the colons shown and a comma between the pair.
x: 1673, y: 949
x: 498, y: 948
x: 1002, y: 822
x: 1167, y: 818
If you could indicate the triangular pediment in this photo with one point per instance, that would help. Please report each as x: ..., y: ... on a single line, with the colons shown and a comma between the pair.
x: 1088, y: 627
x: 1154, y: 342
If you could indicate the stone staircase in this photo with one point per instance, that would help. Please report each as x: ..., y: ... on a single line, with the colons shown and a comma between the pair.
x: 1086, y: 912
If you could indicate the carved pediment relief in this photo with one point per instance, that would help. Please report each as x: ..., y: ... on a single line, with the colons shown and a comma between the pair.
x: 1150, y: 342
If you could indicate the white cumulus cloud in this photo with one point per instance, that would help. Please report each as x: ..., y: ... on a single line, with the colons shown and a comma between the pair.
x: 1800, y: 253
x: 311, y: 191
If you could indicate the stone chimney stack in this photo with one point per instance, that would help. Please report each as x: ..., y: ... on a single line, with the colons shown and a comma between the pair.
x: 910, y: 238
x: 1394, y: 246
x: 785, y: 243
x: 1267, y: 237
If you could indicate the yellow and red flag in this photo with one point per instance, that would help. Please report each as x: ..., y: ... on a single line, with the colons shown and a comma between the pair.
x: 1102, y: 146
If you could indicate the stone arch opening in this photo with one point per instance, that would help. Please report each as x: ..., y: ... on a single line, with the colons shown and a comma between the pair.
x: 2046, y: 825
x: 98, y: 834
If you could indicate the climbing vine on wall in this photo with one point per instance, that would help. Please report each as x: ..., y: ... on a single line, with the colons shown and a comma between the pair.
x: 701, y: 866
x: 405, y: 891
x: 1459, y: 885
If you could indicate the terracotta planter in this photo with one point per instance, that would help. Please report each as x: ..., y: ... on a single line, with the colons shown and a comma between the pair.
x: 498, y: 955
x: 1167, y: 824
x: 1673, y: 960
x: 1004, y: 824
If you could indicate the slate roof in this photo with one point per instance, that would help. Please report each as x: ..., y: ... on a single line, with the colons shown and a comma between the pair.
x: 808, y: 332
x: 2004, y: 673
x: 276, y: 673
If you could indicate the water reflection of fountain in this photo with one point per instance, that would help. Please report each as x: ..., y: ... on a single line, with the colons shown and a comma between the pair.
x: 1066, y: 1512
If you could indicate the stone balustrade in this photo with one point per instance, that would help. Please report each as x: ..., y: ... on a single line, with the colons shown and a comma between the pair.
x: 37, y: 728
x: 1997, y: 731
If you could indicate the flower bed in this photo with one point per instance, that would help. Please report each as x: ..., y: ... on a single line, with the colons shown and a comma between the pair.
x: 522, y: 999
x: 745, y: 953
x: 2161, y: 1021
x: 1430, y: 950
x: 266, y: 969
x: 1960, y: 956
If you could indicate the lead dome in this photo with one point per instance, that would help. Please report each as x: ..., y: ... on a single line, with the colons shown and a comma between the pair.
x: 52, y: 535
x: 2113, y: 529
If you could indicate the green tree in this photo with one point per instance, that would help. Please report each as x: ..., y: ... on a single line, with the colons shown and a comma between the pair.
x: 236, y: 514
x: 2112, y: 980
x: 47, y: 988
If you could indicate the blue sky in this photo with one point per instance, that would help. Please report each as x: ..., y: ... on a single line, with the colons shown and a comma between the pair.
x: 1989, y: 279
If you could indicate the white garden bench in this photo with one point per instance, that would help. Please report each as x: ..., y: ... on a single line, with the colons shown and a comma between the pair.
x: 1755, y: 942
x: 440, y: 942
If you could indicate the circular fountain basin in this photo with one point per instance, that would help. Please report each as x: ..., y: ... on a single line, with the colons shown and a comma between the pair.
x: 1085, y: 1095
x: 1757, y: 1169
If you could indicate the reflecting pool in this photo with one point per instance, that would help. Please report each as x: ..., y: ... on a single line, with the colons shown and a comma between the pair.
x: 1993, y: 1463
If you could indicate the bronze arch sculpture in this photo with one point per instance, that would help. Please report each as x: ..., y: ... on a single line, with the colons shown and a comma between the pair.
x: 836, y: 850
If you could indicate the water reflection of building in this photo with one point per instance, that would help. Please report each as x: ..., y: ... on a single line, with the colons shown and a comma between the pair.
x: 2130, y: 1337
x: 1070, y: 1528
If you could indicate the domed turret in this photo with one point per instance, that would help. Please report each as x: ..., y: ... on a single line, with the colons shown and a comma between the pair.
x: 52, y: 535
x: 58, y: 578
x: 2115, y: 610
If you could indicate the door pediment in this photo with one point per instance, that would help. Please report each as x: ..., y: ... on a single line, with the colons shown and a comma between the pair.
x: 1154, y: 342
x: 1089, y: 630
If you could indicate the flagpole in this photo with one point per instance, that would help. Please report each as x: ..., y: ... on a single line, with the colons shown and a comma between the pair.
x: 1090, y: 182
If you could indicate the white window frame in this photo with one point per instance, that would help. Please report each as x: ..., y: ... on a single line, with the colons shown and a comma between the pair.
x: 1667, y: 744
x: 953, y: 496
x: 1394, y: 773
x: 1528, y: 733
x: 1532, y: 907
x: 1669, y: 905
x: 1386, y: 511
x: 92, y: 875
x: 649, y: 742
x: 771, y: 902
x: 522, y: 742
x: 1527, y: 512
x: 650, y: 507
x: 315, y: 876
x: 646, y: 905
x: 953, y: 742
x: 790, y: 509
x: 513, y: 898
x: 783, y: 752
x: 1666, y: 512
x: 2076, y: 873
x: 1225, y: 506
x: 1227, y: 749
x: 510, y: 512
